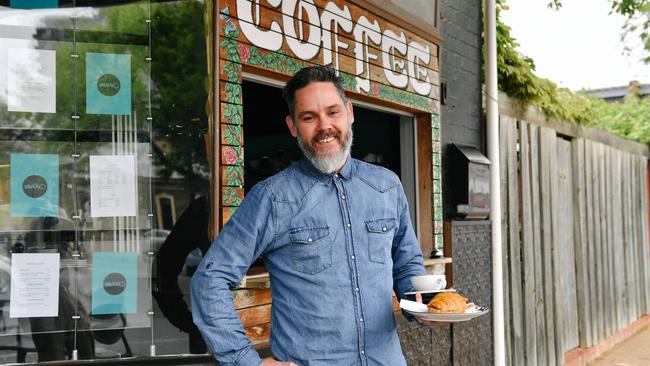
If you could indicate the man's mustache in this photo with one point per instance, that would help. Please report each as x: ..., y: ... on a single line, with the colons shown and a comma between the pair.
x: 326, y: 134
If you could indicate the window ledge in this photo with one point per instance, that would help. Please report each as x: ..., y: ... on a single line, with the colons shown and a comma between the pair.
x: 435, y: 261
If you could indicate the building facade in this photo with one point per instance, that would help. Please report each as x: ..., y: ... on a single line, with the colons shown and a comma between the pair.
x: 132, y: 130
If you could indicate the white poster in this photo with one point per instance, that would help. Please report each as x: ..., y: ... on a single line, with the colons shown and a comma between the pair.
x: 31, y: 80
x: 112, y: 185
x: 34, y: 285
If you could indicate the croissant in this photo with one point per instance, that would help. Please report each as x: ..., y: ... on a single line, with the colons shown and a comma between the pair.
x: 448, y: 302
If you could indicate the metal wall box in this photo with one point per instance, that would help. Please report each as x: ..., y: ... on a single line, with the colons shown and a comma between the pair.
x: 470, y: 182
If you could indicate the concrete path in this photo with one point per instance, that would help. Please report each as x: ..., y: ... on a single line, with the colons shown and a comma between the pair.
x: 634, y: 351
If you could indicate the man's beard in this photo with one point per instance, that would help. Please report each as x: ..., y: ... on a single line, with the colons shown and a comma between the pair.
x: 329, y: 162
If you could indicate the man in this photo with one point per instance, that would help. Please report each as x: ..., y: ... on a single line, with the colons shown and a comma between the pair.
x: 336, y: 237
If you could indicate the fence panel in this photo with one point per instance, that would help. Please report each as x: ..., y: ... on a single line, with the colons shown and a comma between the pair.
x: 567, y: 310
x: 548, y: 195
x: 576, y: 255
x: 581, y: 244
x: 528, y: 250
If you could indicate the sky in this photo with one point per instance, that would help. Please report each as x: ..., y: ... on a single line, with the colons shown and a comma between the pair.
x: 578, y: 46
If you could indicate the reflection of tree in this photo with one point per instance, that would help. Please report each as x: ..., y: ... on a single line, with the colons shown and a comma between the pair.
x: 178, y: 81
x: 179, y: 84
x: 180, y: 74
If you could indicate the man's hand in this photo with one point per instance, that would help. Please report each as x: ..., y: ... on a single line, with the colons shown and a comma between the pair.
x: 270, y: 361
x: 423, y: 321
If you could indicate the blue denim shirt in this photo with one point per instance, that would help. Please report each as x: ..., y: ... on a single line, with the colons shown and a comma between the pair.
x: 336, y: 246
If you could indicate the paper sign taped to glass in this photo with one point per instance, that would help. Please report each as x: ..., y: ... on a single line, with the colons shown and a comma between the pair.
x: 31, y: 80
x: 108, y: 83
x: 112, y: 185
x: 115, y: 283
x: 34, y: 185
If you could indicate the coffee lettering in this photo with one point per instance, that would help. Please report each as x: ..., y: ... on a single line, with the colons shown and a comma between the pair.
x: 365, y: 31
x: 304, y: 50
x: 389, y: 44
x: 404, y: 62
x: 269, y: 39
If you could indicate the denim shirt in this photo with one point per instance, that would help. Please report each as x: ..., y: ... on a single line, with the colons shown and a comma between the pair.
x: 336, y: 246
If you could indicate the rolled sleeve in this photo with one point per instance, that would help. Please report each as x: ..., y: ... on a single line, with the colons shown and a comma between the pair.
x: 243, y: 239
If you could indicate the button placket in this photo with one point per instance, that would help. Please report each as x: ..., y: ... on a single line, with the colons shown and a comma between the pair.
x: 354, y: 271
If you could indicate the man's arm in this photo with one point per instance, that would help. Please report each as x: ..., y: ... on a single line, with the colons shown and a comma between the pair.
x: 406, y: 252
x: 247, y: 235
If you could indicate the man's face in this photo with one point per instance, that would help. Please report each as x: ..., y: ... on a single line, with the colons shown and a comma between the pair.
x: 322, y: 125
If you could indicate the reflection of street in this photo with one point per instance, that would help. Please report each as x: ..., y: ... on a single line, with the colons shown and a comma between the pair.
x: 137, y: 334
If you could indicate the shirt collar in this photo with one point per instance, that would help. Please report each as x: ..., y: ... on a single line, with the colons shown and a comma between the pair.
x: 345, y: 172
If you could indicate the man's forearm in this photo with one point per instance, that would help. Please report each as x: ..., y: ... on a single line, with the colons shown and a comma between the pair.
x: 215, y: 315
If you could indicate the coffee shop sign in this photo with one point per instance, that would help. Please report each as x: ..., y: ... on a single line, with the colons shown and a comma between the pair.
x: 324, y: 28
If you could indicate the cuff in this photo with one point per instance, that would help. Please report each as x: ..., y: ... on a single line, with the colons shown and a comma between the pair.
x: 248, y: 357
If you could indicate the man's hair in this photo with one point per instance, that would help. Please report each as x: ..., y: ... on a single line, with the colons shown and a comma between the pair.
x: 307, y: 76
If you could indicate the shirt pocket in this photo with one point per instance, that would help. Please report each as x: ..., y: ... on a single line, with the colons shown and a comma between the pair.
x: 380, y: 238
x: 311, y: 249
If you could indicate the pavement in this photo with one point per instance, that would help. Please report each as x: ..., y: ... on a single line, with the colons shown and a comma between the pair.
x: 634, y: 351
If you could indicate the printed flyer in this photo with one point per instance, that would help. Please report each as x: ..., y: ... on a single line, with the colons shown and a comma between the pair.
x: 34, y: 185
x: 34, y: 285
x: 108, y: 83
x: 115, y: 285
x: 112, y: 185
x: 31, y: 80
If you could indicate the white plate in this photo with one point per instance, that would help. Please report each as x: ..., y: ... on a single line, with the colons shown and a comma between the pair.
x: 451, y: 317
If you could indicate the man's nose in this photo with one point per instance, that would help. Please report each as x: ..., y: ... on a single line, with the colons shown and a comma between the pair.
x: 324, y: 122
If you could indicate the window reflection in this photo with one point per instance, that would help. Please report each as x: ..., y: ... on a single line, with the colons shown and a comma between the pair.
x: 54, y: 53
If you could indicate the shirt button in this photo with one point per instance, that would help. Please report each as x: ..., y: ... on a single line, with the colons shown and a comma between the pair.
x: 360, y: 319
x: 384, y: 228
x: 357, y: 290
x: 309, y: 240
x: 349, y: 225
x: 363, y: 352
x: 353, y: 257
x: 343, y: 196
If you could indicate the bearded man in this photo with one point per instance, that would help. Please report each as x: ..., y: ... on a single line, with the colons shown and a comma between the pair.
x: 336, y: 238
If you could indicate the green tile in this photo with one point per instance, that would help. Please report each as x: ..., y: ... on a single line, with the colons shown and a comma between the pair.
x: 435, y: 121
x: 437, y: 186
x: 436, y: 159
x: 435, y: 134
x: 436, y: 172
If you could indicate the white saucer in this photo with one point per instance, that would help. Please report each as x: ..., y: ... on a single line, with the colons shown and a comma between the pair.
x: 431, y: 292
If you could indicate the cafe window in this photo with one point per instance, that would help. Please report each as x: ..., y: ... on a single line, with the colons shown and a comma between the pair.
x: 103, y: 124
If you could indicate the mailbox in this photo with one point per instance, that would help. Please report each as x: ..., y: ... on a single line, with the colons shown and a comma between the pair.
x: 470, y: 182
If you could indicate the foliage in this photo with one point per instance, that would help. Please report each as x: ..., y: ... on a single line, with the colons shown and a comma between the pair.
x: 516, y: 77
x: 630, y: 119
x: 178, y: 81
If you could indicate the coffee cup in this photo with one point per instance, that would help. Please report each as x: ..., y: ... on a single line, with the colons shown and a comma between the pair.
x: 429, y: 282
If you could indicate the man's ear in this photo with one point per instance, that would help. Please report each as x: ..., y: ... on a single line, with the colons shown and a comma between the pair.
x: 350, y: 112
x: 292, y: 126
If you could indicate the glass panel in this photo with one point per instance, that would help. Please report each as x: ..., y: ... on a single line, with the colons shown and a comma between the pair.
x: 181, y: 175
x: 95, y: 123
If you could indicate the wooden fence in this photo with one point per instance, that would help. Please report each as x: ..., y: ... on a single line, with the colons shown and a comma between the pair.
x: 575, y: 240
